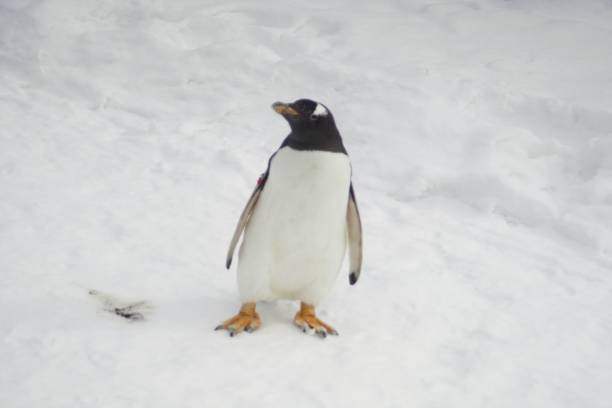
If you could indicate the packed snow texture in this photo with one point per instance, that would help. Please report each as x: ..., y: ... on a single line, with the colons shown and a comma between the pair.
x: 480, y: 134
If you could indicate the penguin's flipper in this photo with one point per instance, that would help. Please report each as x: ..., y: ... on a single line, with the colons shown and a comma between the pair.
x: 355, y: 244
x: 244, y: 219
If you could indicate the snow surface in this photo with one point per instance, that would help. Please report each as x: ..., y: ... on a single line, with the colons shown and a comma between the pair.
x: 480, y: 132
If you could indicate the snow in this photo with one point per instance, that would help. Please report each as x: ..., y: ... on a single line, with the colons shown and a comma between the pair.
x: 480, y: 133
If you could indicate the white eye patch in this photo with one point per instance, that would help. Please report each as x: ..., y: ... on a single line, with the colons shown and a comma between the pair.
x: 319, y: 110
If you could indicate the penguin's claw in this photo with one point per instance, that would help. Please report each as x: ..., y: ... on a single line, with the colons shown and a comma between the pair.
x: 246, y: 320
x: 305, y: 319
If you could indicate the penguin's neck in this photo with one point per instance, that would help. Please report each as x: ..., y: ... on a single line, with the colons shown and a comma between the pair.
x: 303, y: 139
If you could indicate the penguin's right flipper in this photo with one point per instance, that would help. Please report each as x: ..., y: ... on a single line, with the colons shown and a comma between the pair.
x: 355, y: 240
x: 244, y: 218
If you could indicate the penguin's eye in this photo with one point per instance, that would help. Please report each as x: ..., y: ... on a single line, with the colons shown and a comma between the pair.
x: 313, y: 116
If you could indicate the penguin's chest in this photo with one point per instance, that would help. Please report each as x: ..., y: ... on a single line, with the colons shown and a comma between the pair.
x: 299, y: 225
x: 306, y: 195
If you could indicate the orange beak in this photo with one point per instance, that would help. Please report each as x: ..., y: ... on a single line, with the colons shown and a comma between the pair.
x: 284, y: 109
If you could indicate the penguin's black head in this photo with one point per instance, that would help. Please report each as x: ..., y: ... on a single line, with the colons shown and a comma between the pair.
x: 312, y: 126
x: 305, y: 114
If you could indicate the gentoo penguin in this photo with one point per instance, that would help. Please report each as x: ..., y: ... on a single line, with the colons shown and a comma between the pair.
x: 297, y: 221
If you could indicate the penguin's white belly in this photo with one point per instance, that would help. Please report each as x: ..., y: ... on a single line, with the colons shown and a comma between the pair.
x: 294, y: 243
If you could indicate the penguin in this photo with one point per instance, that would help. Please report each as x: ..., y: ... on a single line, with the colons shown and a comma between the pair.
x: 297, y: 222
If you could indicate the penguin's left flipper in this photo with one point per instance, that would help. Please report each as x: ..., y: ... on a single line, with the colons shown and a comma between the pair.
x: 244, y: 218
x: 355, y: 244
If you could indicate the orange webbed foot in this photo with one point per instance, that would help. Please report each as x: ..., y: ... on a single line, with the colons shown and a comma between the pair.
x: 306, y: 319
x: 246, y: 320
